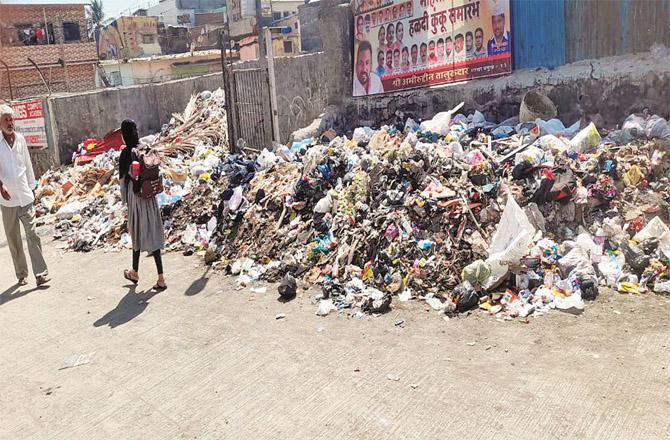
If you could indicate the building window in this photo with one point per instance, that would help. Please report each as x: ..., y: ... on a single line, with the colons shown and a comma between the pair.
x: 286, y: 13
x: 276, y: 16
x: 27, y: 34
x: 288, y: 46
x: 147, y: 39
x: 71, y: 32
x: 114, y: 78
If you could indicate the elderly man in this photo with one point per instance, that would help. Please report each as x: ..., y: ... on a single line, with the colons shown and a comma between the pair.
x: 17, y: 182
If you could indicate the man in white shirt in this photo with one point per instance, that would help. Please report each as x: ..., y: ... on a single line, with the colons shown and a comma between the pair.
x: 17, y: 181
x: 366, y: 81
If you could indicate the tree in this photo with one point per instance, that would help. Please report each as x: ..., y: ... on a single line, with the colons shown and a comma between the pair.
x: 96, y: 13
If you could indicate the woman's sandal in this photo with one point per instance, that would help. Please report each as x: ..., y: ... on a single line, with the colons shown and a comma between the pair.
x: 126, y: 275
x: 159, y: 288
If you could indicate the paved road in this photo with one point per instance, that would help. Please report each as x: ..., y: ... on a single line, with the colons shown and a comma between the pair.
x: 205, y: 361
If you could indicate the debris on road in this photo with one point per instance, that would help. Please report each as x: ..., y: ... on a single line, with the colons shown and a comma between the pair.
x: 76, y: 360
x: 513, y: 219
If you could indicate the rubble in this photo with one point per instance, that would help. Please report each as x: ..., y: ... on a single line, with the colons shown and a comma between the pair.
x: 513, y: 219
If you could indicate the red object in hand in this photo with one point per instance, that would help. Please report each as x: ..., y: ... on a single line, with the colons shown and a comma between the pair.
x: 135, y: 169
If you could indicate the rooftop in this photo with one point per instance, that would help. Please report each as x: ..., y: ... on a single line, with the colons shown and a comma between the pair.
x: 176, y: 56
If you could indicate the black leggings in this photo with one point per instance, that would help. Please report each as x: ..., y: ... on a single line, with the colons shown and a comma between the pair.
x: 157, y: 259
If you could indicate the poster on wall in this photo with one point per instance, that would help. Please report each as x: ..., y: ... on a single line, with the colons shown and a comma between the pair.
x: 405, y: 44
x: 29, y: 119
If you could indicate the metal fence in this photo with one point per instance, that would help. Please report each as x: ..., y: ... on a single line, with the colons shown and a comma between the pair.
x: 249, y: 104
x: 550, y: 33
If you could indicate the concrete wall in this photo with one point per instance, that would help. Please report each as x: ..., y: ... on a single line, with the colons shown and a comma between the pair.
x: 303, y: 90
x: 604, y: 90
x: 310, y: 37
x: 336, y: 26
x: 93, y: 114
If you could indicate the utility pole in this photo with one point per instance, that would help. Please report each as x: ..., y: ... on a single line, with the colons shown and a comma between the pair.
x: 273, y: 86
x: 261, y: 38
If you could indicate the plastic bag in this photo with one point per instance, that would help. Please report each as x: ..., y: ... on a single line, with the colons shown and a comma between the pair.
x: 586, y: 140
x: 556, y: 127
x: 478, y: 119
x: 325, y: 307
x: 362, y: 134
x: 552, y: 143
x: 476, y: 273
x: 440, y: 122
x: 662, y: 283
x: 654, y: 229
x: 236, y: 199
x: 657, y: 127
x: 610, y: 268
x: 267, y: 158
x: 585, y: 242
x: 510, y: 241
x: 571, y: 304
x: 633, y: 176
x: 633, y: 127
x: 532, y: 155
x: 576, y: 259
x: 628, y: 283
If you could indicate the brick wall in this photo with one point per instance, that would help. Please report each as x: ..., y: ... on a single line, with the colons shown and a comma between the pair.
x: 27, y: 83
x: 17, y: 56
x: 13, y: 15
x: 80, y: 56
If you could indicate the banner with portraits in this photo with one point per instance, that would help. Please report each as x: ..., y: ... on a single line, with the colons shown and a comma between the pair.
x: 405, y: 44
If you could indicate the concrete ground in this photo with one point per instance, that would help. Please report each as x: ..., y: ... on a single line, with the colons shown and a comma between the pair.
x: 205, y: 361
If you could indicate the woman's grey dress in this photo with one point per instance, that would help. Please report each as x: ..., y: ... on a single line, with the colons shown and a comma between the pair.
x: 145, y: 224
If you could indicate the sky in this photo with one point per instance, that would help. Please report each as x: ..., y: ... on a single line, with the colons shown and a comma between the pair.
x: 112, y: 8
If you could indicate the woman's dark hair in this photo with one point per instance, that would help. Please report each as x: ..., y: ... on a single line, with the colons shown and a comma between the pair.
x: 131, y: 139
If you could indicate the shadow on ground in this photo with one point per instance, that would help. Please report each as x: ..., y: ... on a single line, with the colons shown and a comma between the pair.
x: 13, y: 293
x: 130, y: 307
x: 198, y: 285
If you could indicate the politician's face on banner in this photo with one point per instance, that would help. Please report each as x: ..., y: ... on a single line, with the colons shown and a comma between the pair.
x: 498, y: 24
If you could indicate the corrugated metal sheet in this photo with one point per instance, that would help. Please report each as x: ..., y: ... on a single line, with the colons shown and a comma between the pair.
x: 592, y: 29
x: 602, y: 28
x: 643, y: 23
x: 538, y: 33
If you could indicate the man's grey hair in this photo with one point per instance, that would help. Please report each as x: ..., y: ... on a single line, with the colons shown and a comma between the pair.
x: 6, y: 110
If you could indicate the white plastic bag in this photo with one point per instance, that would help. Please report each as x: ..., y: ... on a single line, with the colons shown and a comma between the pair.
x: 656, y: 229
x: 325, y: 307
x: 532, y: 155
x: 610, y: 268
x: 510, y: 241
x: 440, y: 122
x: 552, y: 143
x: 363, y: 134
x: 236, y: 199
x: 586, y: 140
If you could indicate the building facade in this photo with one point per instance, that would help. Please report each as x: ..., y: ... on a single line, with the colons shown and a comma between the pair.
x: 129, y: 37
x: 53, y: 36
x: 182, y: 12
x: 160, y: 68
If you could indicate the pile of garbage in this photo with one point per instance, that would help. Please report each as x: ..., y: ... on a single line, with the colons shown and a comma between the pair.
x: 516, y: 218
x: 83, y: 203
x: 513, y: 218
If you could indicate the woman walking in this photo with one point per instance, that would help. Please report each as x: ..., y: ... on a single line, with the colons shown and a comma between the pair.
x: 145, y: 224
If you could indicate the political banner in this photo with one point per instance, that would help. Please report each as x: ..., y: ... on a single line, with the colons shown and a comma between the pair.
x: 400, y: 45
x: 29, y: 121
